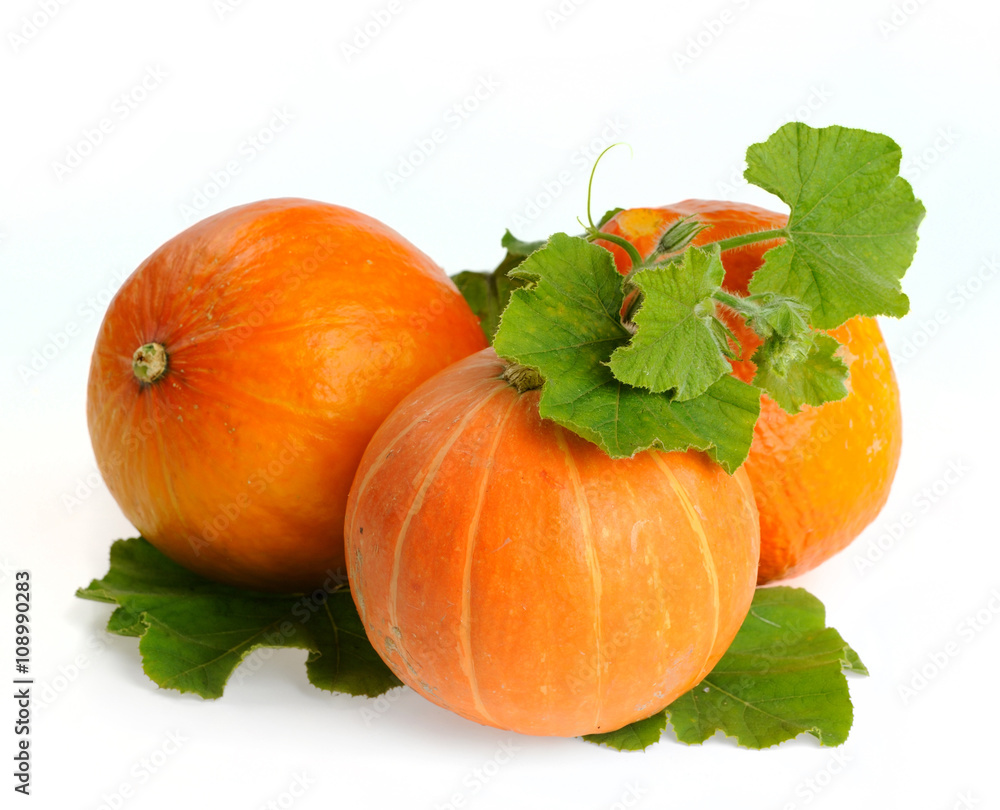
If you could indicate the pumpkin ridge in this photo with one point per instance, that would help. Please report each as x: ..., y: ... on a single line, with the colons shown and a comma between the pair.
x: 429, y: 473
x: 706, y: 552
x: 590, y: 554
x: 396, y: 439
x: 465, y: 636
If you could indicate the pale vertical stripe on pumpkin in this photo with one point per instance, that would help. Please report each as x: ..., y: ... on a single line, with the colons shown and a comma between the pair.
x: 384, y: 454
x: 376, y: 465
x: 706, y: 552
x: 465, y: 638
x: 590, y: 554
x: 429, y: 473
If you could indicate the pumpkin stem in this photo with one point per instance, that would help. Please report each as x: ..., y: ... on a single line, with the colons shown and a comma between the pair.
x: 149, y: 362
x: 522, y: 377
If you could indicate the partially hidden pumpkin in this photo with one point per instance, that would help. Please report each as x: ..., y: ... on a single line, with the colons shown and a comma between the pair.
x: 512, y: 572
x: 819, y: 476
x: 241, y: 370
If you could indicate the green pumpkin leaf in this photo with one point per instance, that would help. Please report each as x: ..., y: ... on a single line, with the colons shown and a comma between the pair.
x: 341, y: 659
x: 852, y: 662
x: 565, y: 324
x: 678, y: 347
x: 487, y: 294
x: 782, y: 676
x: 193, y: 633
x: 518, y: 248
x: 817, y: 378
x: 852, y: 231
x: 635, y: 736
x: 657, y: 375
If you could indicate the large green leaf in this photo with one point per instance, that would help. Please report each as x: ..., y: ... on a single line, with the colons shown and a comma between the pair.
x: 852, y: 231
x: 781, y: 677
x: 565, y: 324
x: 193, y: 632
x: 678, y: 346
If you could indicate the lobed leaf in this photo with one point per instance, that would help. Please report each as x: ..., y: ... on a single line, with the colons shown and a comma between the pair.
x: 817, y: 378
x: 635, y: 736
x: 565, y: 324
x: 193, y: 633
x: 782, y: 676
x: 677, y: 347
x: 852, y: 231
x: 487, y: 294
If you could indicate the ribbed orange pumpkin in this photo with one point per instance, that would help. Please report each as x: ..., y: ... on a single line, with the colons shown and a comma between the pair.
x: 288, y: 329
x: 820, y: 476
x: 510, y: 571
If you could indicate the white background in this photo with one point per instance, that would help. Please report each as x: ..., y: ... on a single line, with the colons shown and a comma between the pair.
x: 562, y: 78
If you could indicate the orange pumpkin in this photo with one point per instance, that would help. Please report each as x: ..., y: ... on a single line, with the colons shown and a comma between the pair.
x: 241, y: 370
x: 819, y: 476
x: 512, y: 572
